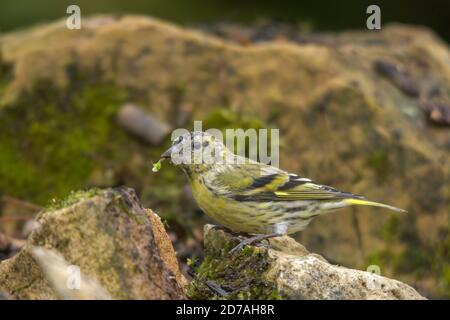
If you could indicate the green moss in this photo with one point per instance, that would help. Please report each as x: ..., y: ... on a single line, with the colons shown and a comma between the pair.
x: 241, y: 275
x: 390, y: 230
x: 224, y: 118
x: 5, y: 76
x: 378, y: 161
x: 427, y: 261
x: 378, y: 258
x: 444, y: 283
x: 415, y: 261
x: 52, y: 140
x: 72, y: 198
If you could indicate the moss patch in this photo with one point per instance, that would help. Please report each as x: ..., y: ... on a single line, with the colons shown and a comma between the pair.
x: 225, y: 118
x: 378, y: 161
x: 240, y: 275
x: 52, y: 141
x: 72, y: 198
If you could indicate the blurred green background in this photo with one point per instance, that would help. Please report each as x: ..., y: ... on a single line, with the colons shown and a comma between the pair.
x: 321, y: 15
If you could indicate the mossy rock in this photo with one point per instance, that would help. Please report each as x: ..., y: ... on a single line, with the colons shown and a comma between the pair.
x: 241, y: 276
x: 110, y: 237
x: 283, y: 269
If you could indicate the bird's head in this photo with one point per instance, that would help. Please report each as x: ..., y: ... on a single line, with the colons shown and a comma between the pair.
x: 196, y: 152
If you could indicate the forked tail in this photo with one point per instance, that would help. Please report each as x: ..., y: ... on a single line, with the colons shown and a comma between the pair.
x: 361, y: 202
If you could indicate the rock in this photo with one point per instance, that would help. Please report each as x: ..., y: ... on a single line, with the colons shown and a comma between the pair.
x: 342, y: 123
x: 285, y: 270
x: 142, y: 124
x: 5, y: 296
x: 116, y: 244
x: 68, y: 282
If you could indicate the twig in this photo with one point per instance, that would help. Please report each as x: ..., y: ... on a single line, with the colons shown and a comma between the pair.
x: 22, y: 203
x: 8, y: 243
x: 214, y: 286
x: 15, y: 218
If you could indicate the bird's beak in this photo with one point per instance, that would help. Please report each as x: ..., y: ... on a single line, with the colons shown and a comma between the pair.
x: 167, y: 154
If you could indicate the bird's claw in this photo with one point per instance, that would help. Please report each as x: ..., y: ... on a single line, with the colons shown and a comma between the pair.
x: 239, y: 247
x: 252, y: 240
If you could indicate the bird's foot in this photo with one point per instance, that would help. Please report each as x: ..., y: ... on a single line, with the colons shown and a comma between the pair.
x: 252, y: 240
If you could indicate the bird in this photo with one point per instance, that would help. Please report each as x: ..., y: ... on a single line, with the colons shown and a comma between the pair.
x: 246, y: 196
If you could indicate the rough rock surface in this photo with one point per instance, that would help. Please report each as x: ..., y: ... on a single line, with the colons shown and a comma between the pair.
x: 350, y: 108
x: 283, y: 270
x: 67, y: 280
x: 110, y: 237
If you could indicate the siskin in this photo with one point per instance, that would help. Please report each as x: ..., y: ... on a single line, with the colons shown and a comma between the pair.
x: 251, y: 197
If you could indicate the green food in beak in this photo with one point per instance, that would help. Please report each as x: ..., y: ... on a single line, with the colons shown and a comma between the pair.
x: 157, y: 165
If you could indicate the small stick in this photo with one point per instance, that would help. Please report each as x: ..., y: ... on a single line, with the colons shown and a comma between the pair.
x: 15, y: 218
x: 216, y: 288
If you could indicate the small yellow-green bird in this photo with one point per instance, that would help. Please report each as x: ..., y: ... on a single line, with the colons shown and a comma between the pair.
x: 251, y: 197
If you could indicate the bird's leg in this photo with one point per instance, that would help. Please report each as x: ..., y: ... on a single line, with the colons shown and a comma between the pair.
x: 219, y: 227
x: 235, y: 234
x: 227, y: 230
x: 254, y: 239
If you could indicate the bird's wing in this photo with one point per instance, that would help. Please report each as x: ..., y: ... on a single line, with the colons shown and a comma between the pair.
x: 258, y: 182
x: 248, y: 178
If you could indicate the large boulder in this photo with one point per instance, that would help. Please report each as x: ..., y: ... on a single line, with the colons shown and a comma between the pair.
x: 283, y: 270
x: 362, y: 111
x: 120, y: 249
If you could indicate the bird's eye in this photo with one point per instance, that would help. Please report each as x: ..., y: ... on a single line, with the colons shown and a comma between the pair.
x: 196, y: 145
x: 205, y: 144
x: 178, y: 140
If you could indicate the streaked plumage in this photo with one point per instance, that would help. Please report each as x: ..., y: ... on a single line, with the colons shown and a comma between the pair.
x: 251, y: 197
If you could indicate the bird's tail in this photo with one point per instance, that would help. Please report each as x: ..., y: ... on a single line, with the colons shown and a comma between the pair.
x: 361, y: 202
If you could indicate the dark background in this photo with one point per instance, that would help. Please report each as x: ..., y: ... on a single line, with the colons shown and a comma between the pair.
x: 320, y: 15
